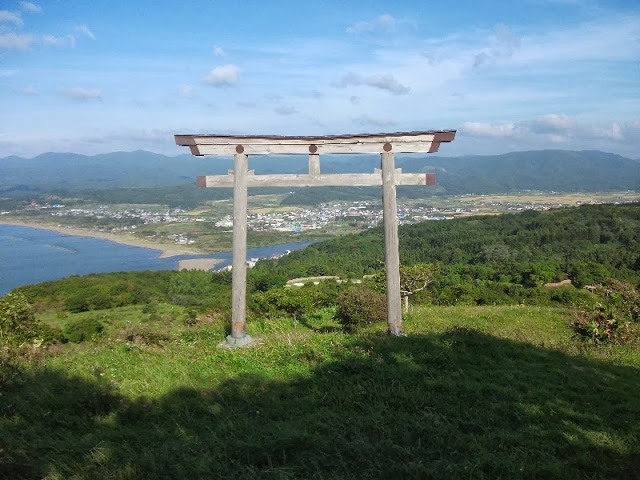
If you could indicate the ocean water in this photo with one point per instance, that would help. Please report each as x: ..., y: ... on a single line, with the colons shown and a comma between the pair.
x: 31, y: 255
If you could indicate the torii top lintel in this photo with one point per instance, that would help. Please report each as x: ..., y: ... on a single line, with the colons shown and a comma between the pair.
x: 401, y: 142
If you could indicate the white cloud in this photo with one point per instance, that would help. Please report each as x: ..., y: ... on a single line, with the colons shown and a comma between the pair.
x: 384, y: 81
x: 186, y: 91
x: 14, y: 41
x: 374, y: 121
x: 31, y: 7
x: 247, y: 103
x: 224, y: 76
x: 218, y: 51
x: 610, y: 132
x: 632, y: 129
x: 558, y: 129
x: 11, y: 17
x: 55, y: 41
x: 551, y: 123
x: 29, y: 90
x: 384, y: 22
x: 84, y: 30
x: 608, y: 39
x: 285, y: 110
x: 502, y: 45
x: 387, y: 82
x: 68, y: 40
x: 348, y: 79
x: 82, y: 94
x: 481, y: 129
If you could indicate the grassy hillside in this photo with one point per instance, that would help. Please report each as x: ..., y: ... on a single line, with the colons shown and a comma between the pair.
x: 472, y: 392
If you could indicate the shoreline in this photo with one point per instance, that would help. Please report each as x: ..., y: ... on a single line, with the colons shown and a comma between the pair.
x: 166, y: 251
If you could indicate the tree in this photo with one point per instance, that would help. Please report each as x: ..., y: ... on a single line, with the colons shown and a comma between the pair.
x: 17, y: 321
x: 413, y: 279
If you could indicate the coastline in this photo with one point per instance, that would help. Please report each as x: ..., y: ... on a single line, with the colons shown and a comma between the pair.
x: 165, y: 250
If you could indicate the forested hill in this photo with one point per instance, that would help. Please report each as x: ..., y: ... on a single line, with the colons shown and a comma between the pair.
x: 547, y: 170
x: 550, y: 170
x: 588, y: 244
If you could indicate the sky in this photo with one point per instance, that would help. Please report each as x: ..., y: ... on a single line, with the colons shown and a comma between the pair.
x: 121, y: 75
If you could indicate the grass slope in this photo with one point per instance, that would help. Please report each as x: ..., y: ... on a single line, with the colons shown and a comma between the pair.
x: 472, y: 392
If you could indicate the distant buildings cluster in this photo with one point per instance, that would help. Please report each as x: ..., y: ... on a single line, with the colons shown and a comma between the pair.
x: 362, y: 214
x: 104, y: 211
x: 358, y: 214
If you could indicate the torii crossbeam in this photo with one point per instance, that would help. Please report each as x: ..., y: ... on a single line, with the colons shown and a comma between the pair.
x: 241, y: 178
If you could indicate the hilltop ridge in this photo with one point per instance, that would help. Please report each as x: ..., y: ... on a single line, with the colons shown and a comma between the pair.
x: 544, y: 170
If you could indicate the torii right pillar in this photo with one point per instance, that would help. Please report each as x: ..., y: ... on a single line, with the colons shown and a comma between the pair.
x: 391, y: 242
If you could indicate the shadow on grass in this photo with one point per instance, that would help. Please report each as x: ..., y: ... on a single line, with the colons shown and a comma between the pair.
x: 324, y: 329
x: 457, y: 405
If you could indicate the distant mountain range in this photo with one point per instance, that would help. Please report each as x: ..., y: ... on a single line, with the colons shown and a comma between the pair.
x: 546, y: 170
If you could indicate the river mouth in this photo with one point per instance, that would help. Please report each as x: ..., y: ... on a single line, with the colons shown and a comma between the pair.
x: 27, y: 256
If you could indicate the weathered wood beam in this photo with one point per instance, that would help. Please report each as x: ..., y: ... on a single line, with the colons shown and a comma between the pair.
x: 318, y: 180
x: 403, y: 142
x: 292, y: 149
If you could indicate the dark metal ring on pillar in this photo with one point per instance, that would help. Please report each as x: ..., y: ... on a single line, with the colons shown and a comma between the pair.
x: 387, y: 147
x: 239, y: 149
x: 313, y: 148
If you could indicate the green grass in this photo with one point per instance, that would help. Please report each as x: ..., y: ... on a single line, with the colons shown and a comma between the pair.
x: 471, y: 392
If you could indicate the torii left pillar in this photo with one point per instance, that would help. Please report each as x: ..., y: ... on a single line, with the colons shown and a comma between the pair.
x: 239, y: 244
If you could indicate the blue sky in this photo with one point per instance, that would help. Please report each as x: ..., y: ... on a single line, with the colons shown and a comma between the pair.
x: 103, y: 76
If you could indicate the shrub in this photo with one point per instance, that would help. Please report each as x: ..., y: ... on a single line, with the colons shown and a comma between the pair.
x: 612, y: 320
x: 138, y: 335
x: 83, y: 329
x: 290, y: 301
x: 192, y: 318
x: 17, y: 321
x: 361, y: 306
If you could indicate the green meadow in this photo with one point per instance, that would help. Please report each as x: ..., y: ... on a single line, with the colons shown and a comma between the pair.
x: 470, y: 392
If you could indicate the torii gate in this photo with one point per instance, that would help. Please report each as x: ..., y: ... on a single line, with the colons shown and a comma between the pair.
x: 241, y: 178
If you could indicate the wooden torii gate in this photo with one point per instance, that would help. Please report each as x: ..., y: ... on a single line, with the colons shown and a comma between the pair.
x: 387, y: 144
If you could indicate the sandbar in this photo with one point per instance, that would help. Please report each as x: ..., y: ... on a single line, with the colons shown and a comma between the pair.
x: 198, y: 263
x: 124, y: 238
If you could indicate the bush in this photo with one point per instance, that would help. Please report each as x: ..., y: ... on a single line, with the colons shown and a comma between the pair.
x: 615, y: 319
x: 83, y: 329
x: 137, y: 335
x: 361, y: 306
x: 289, y: 301
x: 17, y: 322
